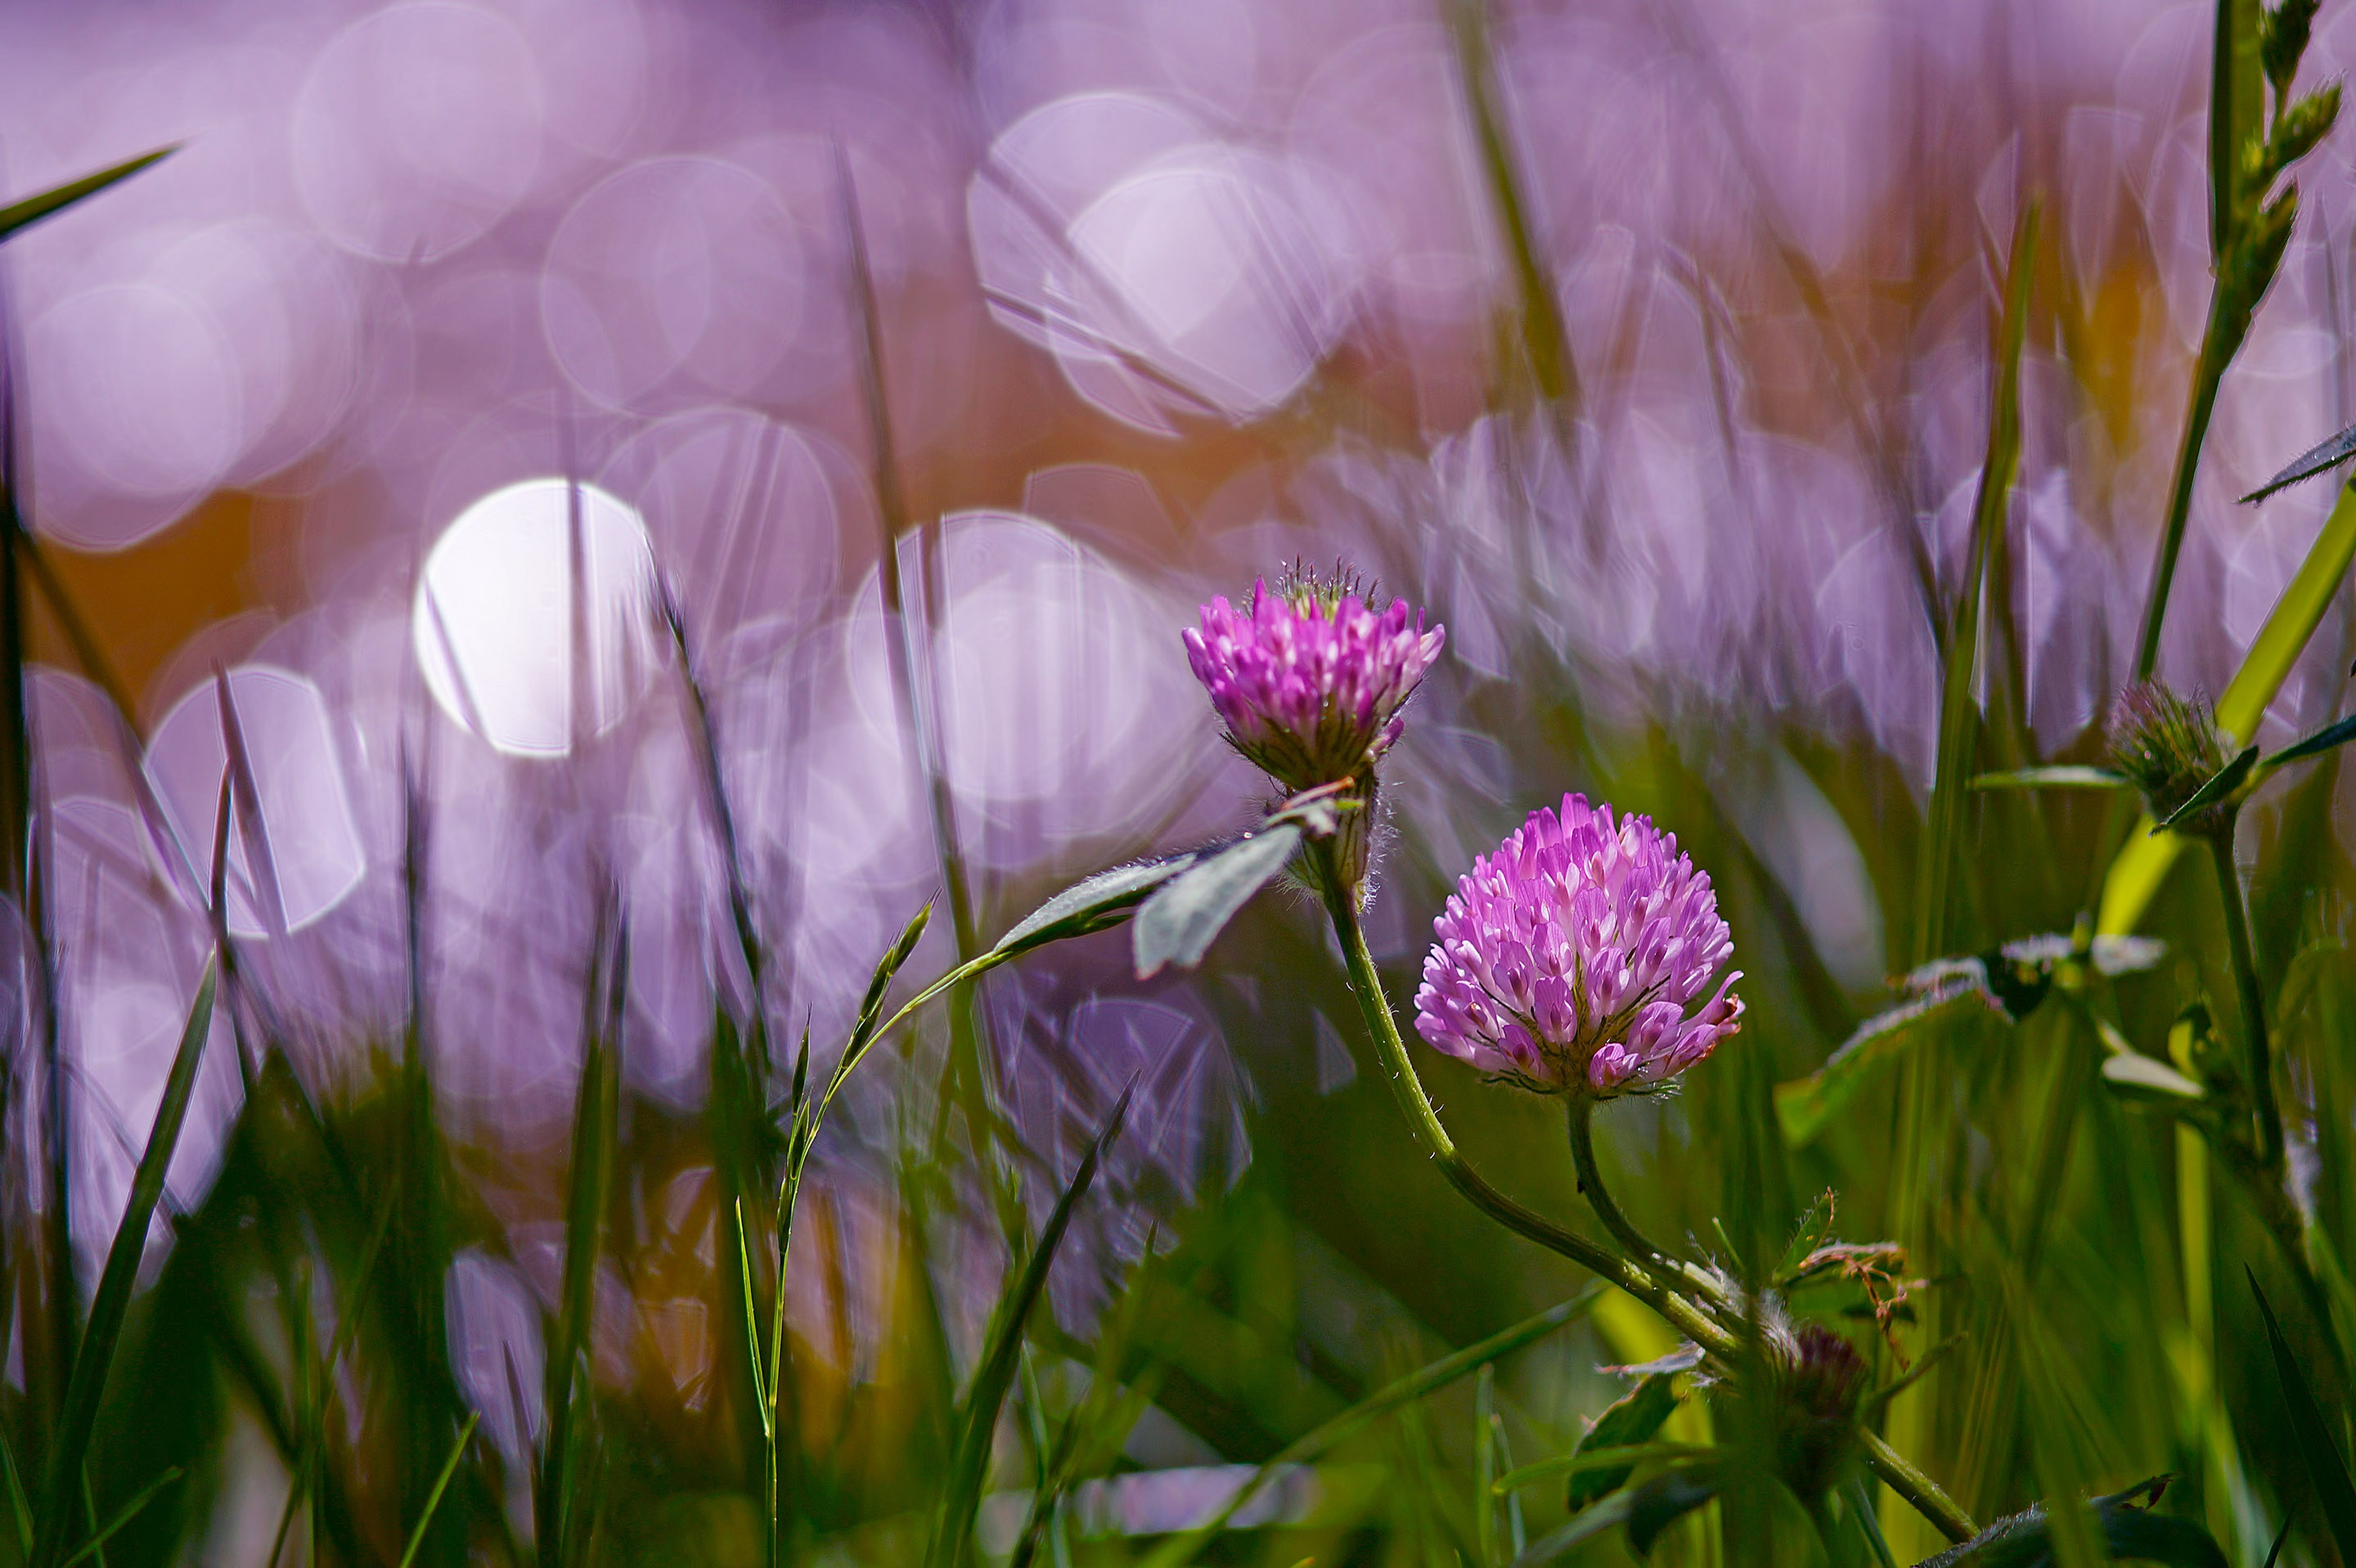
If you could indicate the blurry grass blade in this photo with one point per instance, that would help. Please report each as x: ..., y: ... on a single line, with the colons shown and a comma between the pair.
x: 24, y: 214
x: 2135, y: 877
x: 977, y: 1415
x: 441, y: 1485
x: 2315, y: 746
x: 1544, y: 336
x: 2056, y: 777
x: 2274, y: 1552
x: 595, y: 1131
x: 2334, y: 1494
x: 1179, y: 924
x: 123, y: 1516
x: 1585, y: 1462
x: 1656, y: 1504
x: 2220, y: 785
x: 1632, y: 1421
x: 1859, y: 1497
x: 2326, y: 455
x: 1084, y: 906
x: 20, y: 1507
x: 1391, y: 1396
x: 1806, y: 1106
x: 70, y: 1445
x: 261, y: 869
x: 1550, y: 1547
x: 1942, y: 833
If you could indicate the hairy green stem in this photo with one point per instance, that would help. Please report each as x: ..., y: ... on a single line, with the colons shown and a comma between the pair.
x: 1697, y: 1324
x: 1591, y: 1182
x: 1920, y: 1492
x: 2259, y: 1051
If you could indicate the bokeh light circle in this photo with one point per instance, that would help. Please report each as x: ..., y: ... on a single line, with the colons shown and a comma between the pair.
x: 494, y: 628
x: 418, y: 128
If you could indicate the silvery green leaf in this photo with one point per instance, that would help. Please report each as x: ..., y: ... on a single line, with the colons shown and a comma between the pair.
x: 1088, y: 901
x: 1178, y: 923
x: 2056, y: 777
x: 2137, y: 1072
x: 2127, y: 955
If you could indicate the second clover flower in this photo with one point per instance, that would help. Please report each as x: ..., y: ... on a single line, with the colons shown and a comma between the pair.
x: 1577, y: 959
x: 1310, y: 678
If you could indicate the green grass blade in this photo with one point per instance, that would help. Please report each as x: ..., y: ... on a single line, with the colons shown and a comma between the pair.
x: 123, y: 1516
x: 20, y: 215
x: 1585, y: 1462
x: 1956, y: 712
x: 596, y: 1106
x: 2334, y: 1494
x: 1544, y: 337
x: 441, y: 1485
x: 1181, y: 1550
x: 977, y: 1415
x: 87, y: 1382
x: 20, y: 1507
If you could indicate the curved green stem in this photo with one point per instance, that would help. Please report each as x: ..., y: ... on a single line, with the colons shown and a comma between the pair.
x: 1920, y: 1492
x: 1689, y: 1319
x: 1591, y: 1182
x: 1424, y: 1122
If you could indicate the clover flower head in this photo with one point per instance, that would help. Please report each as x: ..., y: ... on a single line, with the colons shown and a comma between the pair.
x: 2168, y: 746
x: 1577, y: 959
x: 1310, y: 678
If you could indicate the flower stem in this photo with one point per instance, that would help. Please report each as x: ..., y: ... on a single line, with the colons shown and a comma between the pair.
x: 1591, y: 1182
x: 1920, y: 1492
x: 2254, y: 1007
x: 1424, y: 1121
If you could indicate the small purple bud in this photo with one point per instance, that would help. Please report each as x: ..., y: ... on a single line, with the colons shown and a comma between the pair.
x: 1310, y: 679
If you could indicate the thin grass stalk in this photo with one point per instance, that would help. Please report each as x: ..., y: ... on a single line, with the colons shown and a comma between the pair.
x: 1958, y: 715
x: 70, y: 1447
x: 596, y: 1107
